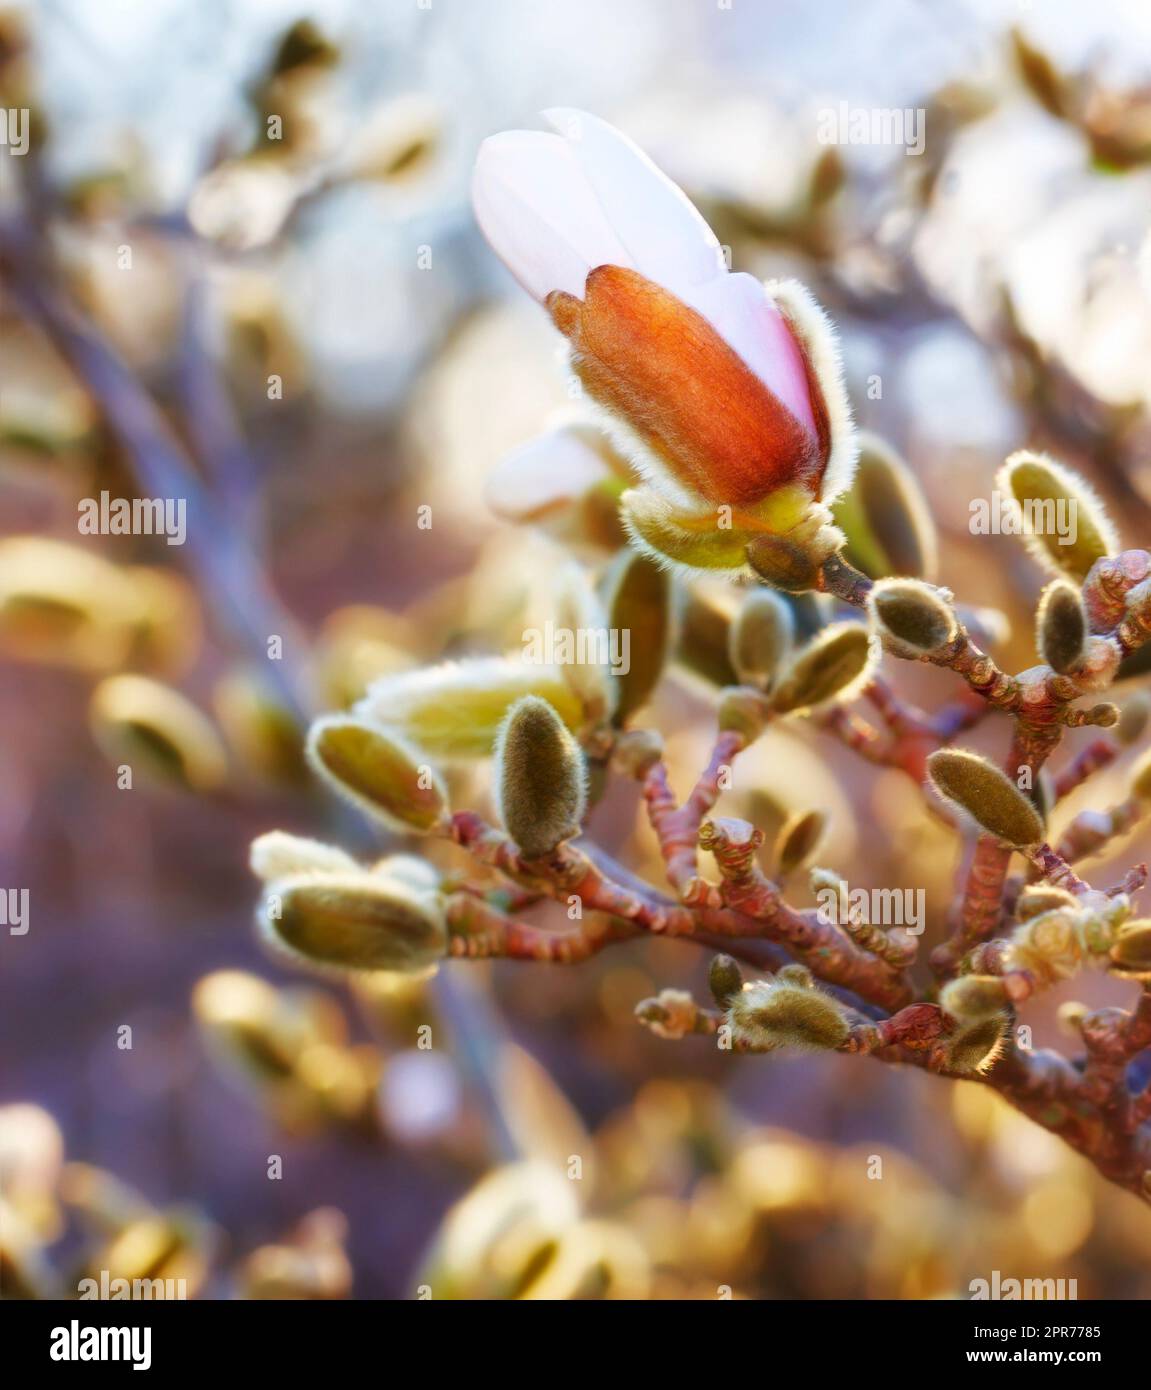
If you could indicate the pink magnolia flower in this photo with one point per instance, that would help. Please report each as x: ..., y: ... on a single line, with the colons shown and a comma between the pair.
x: 724, y: 392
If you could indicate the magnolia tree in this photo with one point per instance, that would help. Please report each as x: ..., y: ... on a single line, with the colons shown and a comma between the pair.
x: 719, y: 442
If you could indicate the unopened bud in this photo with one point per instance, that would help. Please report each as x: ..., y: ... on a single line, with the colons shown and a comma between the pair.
x: 769, y: 1014
x: 761, y: 637
x: 834, y: 665
x: 354, y: 922
x: 913, y: 618
x: 1061, y: 626
x: 725, y: 979
x: 798, y: 839
x: 972, y: 997
x: 540, y: 778
x: 378, y: 771
x: 1040, y: 485
x: 278, y: 855
x: 138, y: 721
x: 987, y: 795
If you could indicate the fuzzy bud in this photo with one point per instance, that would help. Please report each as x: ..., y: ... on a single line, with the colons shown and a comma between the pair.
x: 138, y: 721
x: 1131, y: 952
x: 1061, y: 626
x: 278, y: 855
x: 378, y: 771
x: 1140, y: 780
x: 972, y: 997
x: 974, y: 1050
x: 1050, y: 945
x: 987, y: 795
x: 798, y: 839
x: 761, y: 637
x: 1041, y: 897
x: 540, y: 778
x: 454, y: 710
x: 725, y: 979
x: 775, y: 1013
x: 834, y: 665
x: 913, y: 618
x: 743, y: 710
x: 1133, y: 718
x: 1057, y: 505
x: 354, y: 921
x: 637, y: 598
x: 885, y: 516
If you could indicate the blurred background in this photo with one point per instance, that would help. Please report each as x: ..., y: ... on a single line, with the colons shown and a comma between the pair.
x: 296, y: 327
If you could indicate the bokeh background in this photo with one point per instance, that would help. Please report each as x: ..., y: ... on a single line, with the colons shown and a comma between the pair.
x: 992, y: 292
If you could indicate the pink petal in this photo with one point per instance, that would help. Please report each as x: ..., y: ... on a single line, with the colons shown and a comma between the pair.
x: 666, y: 238
x: 539, y: 214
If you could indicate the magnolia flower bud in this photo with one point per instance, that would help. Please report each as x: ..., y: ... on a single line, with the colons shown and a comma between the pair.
x: 1131, y: 952
x: 974, y: 1050
x: 834, y: 665
x: 1139, y: 779
x: 1045, y: 489
x: 798, y: 839
x: 1041, y: 897
x: 761, y: 637
x: 1061, y: 626
x: 277, y: 855
x: 769, y: 1014
x: 987, y: 795
x: 972, y: 997
x: 725, y: 979
x: 885, y: 516
x: 913, y: 618
x: 378, y: 771
x: 726, y: 393
x: 540, y: 778
x: 1050, y: 945
x: 1133, y: 718
x: 354, y: 921
x: 144, y: 724
x: 637, y: 596
x: 454, y: 710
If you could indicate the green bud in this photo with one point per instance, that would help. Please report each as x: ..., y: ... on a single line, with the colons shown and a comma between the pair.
x: 1044, y: 490
x: 913, y: 618
x: 785, y: 563
x: 540, y: 778
x: 885, y: 516
x: 152, y: 727
x: 987, y: 795
x: 278, y: 855
x: 761, y: 637
x: 1131, y: 952
x: 973, y: 997
x: 455, y: 710
x: 637, y: 597
x: 798, y: 840
x: 974, y: 1050
x: 1061, y: 626
x: 1140, y: 778
x: 706, y: 611
x: 1133, y: 718
x: 834, y: 665
x: 354, y: 921
x: 725, y: 979
x: 378, y: 771
x: 769, y: 1014
x: 1038, y: 898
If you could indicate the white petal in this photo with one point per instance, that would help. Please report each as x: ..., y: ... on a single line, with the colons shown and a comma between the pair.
x: 552, y: 468
x: 740, y: 309
x: 662, y: 230
x: 537, y: 209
